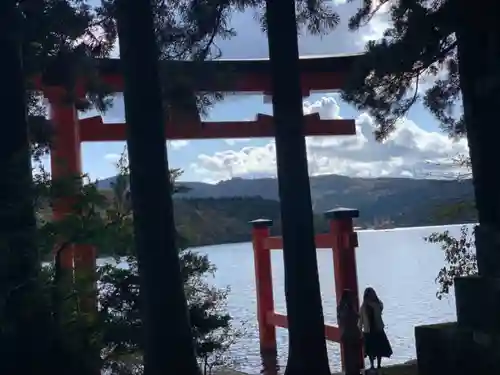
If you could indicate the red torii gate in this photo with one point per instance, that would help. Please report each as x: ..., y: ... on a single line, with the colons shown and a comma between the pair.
x: 341, y: 239
x: 317, y: 74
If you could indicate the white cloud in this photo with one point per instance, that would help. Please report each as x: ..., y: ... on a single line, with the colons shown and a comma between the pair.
x: 380, y: 22
x: 410, y: 151
x: 178, y: 144
x: 113, y: 158
x: 233, y: 141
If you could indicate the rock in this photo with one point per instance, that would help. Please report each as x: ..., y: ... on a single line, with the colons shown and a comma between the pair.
x: 438, y: 348
x: 478, y: 303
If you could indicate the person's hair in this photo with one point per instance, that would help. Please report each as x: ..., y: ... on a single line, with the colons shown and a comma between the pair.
x: 348, y: 298
x: 370, y: 295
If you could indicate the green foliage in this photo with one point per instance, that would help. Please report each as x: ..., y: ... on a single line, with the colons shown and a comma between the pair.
x: 60, y: 39
x: 459, y: 253
x: 420, y: 44
x: 56, y: 338
x: 120, y: 303
x: 122, y: 328
x: 223, y: 220
x: 458, y: 209
x: 88, y: 224
x: 107, y: 224
x: 460, y: 257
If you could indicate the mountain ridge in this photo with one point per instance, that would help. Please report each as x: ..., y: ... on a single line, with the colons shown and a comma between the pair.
x: 383, y: 201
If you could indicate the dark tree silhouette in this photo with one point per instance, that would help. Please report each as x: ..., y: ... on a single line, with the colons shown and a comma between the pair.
x: 18, y: 252
x: 458, y: 46
x: 164, y: 307
x: 307, y: 345
x: 139, y: 26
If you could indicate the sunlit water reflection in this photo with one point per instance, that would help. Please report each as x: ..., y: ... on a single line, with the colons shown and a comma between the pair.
x: 398, y: 263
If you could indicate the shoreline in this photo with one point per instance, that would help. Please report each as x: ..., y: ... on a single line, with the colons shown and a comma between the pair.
x: 357, y: 229
x: 49, y: 259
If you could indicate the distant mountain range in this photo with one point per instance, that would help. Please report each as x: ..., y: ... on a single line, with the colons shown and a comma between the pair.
x: 383, y: 202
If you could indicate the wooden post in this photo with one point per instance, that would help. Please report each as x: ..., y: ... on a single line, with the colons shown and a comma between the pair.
x: 264, y: 289
x: 66, y: 163
x: 65, y: 158
x: 86, y: 275
x: 344, y: 256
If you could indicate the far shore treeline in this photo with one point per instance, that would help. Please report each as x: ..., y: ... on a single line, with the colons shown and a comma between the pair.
x: 212, y: 221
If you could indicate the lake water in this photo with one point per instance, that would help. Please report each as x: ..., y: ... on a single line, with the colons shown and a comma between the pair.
x: 398, y: 263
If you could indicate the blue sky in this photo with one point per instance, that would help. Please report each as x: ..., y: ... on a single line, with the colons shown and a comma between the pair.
x: 414, y: 151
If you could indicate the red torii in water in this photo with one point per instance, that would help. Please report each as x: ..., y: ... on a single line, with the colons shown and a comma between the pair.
x: 341, y: 239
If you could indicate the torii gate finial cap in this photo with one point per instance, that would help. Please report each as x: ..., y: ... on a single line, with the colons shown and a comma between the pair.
x: 261, y: 223
x: 342, y: 213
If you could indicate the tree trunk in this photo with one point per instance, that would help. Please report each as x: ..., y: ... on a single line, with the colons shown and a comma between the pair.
x: 478, y: 39
x: 168, y: 340
x: 307, y: 346
x: 19, y: 262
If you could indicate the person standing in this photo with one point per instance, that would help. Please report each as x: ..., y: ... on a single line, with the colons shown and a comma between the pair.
x: 350, y: 334
x: 376, y: 343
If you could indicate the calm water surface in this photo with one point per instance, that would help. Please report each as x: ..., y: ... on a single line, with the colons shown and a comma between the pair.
x: 397, y: 263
